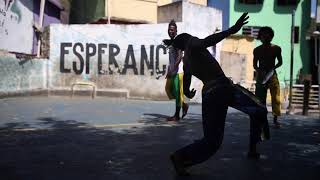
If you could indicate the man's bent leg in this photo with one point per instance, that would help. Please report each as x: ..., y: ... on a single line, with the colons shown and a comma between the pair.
x: 214, y: 110
x: 248, y: 103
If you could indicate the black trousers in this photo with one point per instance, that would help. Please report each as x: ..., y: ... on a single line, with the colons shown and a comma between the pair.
x: 217, y: 96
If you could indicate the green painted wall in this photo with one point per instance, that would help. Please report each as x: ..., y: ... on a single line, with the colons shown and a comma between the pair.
x: 279, y: 18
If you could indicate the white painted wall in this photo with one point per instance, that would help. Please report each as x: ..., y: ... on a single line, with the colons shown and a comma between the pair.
x: 198, y: 20
x: 16, y: 32
x: 121, y: 35
x: 201, y: 21
x: 21, y: 75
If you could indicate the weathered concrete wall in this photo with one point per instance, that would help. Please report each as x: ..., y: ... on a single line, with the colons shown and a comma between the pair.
x: 170, y: 11
x: 234, y: 65
x: 16, y: 32
x: 133, y: 10
x: 200, y: 2
x: 202, y: 21
x: 21, y: 76
x: 242, y: 46
x: 122, y: 56
x: 113, y: 56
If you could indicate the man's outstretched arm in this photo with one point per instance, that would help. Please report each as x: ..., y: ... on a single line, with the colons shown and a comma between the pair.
x: 217, y: 37
x: 279, y: 57
x: 186, y: 86
x: 255, y: 60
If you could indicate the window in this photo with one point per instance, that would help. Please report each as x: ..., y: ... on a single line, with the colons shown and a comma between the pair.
x: 251, y: 31
x: 287, y: 2
x: 251, y: 1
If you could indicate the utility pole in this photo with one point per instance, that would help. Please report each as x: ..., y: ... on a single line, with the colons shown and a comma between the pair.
x: 291, y: 62
x: 316, y: 35
x: 41, y: 15
x: 109, y: 11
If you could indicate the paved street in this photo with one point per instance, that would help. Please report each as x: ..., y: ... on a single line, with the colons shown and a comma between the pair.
x: 60, y: 138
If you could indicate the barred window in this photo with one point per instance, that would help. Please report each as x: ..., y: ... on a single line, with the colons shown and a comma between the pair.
x: 251, y: 1
x: 251, y: 31
x: 296, y: 35
x: 287, y: 2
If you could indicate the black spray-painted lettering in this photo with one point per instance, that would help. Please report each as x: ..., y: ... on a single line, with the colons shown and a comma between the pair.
x: 85, y: 52
x: 164, y: 67
x: 133, y: 65
x: 89, y: 54
x: 3, y: 12
x: 63, y: 52
x: 74, y: 64
x: 144, y: 59
x: 100, y: 52
x: 114, y: 50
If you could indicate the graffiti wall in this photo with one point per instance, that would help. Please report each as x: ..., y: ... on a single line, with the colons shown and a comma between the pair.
x: 21, y: 75
x: 113, y: 56
x: 129, y: 57
x: 16, y: 32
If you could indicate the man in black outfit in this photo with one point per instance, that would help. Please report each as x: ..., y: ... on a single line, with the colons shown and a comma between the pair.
x: 217, y: 94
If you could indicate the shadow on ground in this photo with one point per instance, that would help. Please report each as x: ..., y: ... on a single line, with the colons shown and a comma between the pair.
x: 68, y: 149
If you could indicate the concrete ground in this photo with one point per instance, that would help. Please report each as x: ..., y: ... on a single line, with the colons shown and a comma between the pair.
x: 62, y: 138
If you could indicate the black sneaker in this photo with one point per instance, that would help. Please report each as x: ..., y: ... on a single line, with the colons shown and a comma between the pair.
x: 178, y: 165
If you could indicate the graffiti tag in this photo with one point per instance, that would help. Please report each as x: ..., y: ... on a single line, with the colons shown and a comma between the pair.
x: 84, y: 53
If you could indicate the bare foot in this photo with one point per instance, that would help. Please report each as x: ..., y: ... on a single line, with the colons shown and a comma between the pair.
x: 178, y: 165
x: 173, y: 118
x: 185, y: 108
x: 277, y: 125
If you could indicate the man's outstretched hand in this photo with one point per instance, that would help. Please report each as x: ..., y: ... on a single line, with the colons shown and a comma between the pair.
x: 191, y: 94
x: 240, y: 22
